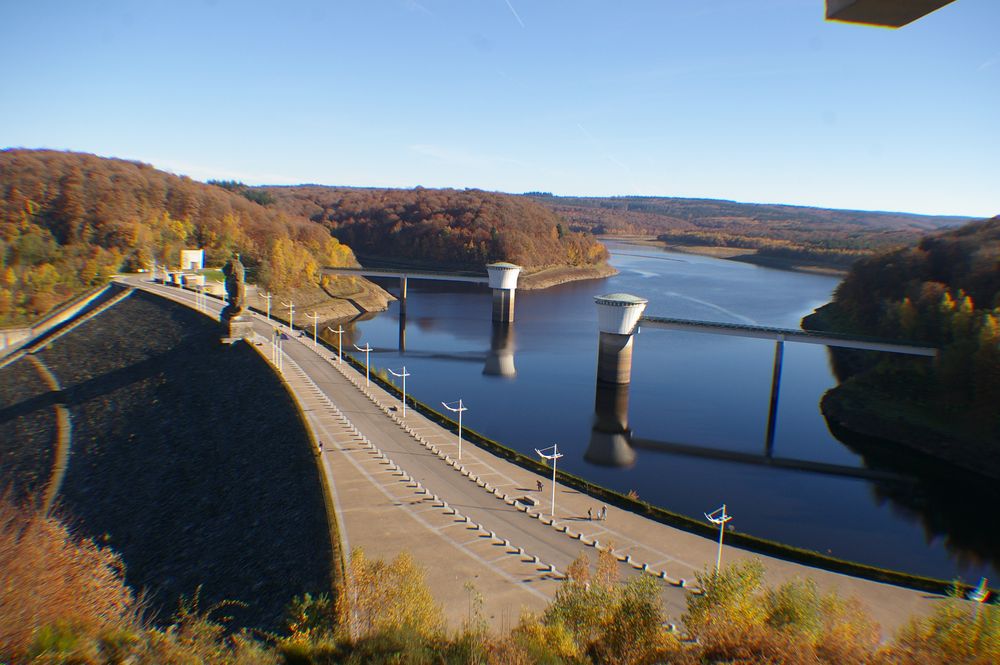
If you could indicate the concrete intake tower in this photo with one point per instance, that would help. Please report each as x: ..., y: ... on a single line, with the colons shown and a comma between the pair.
x: 617, y: 317
x: 503, y: 281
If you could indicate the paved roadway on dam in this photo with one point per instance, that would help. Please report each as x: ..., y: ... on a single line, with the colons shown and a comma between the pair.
x: 397, y: 487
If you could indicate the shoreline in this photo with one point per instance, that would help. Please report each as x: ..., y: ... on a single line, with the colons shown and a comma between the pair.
x: 332, y: 307
x: 556, y: 275
x: 741, y: 254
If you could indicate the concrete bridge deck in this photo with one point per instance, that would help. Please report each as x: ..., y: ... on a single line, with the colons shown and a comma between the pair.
x: 368, y: 456
x: 443, y: 276
x: 788, y: 335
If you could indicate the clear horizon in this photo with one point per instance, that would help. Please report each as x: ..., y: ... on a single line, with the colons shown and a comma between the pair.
x: 758, y: 103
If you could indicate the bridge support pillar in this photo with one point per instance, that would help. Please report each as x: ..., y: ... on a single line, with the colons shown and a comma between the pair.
x: 772, y: 412
x: 617, y: 318
x: 402, y: 295
x: 503, y: 281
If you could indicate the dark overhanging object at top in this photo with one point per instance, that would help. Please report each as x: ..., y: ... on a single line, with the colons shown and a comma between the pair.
x: 887, y: 13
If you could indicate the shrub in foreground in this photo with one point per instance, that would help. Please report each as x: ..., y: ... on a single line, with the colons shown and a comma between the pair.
x: 65, y: 602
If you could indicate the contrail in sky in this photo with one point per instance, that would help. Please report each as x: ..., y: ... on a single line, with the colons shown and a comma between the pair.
x: 514, y: 12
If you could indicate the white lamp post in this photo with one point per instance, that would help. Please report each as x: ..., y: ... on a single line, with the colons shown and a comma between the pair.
x: 459, y: 409
x: 719, y: 517
x: 267, y: 296
x: 340, y: 342
x: 367, y: 350
x: 276, y: 355
x: 315, y: 317
x: 291, y: 314
x: 553, y: 455
x: 402, y: 375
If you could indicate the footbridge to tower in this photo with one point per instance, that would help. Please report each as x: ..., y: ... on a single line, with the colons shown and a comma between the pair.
x: 620, y: 316
x: 501, y: 277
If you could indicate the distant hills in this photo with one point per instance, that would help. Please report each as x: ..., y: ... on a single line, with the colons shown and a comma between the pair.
x: 442, y: 227
x: 773, y: 234
x: 944, y: 291
x: 70, y: 220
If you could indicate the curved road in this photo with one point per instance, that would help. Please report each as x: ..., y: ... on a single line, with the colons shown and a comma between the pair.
x: 378, y: 473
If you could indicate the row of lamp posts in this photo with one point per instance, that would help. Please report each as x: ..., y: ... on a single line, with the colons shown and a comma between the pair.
x: 719, y: 516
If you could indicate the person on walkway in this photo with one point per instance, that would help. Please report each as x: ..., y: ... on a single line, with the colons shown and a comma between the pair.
x: 590, y: 514
x: 604, y: 513
x: 539, y: 484
x: 321, y: 445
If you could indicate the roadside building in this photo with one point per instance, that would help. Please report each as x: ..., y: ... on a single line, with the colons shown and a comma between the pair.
x: 192, y: 259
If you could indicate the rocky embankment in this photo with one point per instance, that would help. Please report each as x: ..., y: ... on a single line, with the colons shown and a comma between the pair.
x: 343, y: 299
x: 555, y: 275
x: 188, y: 457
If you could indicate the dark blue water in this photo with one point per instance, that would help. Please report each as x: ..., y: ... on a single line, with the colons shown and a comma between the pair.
x: 534, y: 386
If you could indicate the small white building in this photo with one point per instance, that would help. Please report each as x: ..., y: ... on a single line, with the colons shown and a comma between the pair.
x: 192, y: 259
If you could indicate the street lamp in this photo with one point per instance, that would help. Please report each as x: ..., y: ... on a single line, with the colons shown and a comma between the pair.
x: 340, y: 342
x: 459, y: 409
x: 267, y: 296
x: 554, y: 455
x: 403, y: 375
x: 276, y: 354
x: 367, y: 350
x: 291, y: 314
x: 719, y: 517
x: 315, y: 317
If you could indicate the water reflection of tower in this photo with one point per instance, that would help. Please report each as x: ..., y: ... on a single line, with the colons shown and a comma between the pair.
x: 610, y: 437
x: 500, y: 359
x: 618, y: 316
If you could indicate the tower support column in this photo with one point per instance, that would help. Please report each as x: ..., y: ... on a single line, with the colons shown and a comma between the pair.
x: 614, y: 358
x: 503, y: 305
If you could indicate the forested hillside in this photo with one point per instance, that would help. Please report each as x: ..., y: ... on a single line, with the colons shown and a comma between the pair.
x: 462, y: 229
x: 945, y: 291
x: 69, y: 220
x: 811, y: 236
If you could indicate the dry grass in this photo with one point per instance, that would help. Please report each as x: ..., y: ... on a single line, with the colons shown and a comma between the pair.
x: 48, y: 576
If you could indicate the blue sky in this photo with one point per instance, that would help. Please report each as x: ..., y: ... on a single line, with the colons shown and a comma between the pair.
x: 753, y: 100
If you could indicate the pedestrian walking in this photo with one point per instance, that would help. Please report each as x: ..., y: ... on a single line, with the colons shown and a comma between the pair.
x: 590, y: 514
x: 539, y: 484
x: 604, y: 513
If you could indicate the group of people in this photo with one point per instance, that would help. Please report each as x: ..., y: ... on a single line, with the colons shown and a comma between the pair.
x: 602, y: 513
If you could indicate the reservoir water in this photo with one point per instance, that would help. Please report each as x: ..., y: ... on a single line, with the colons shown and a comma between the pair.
x: 693, y: 398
